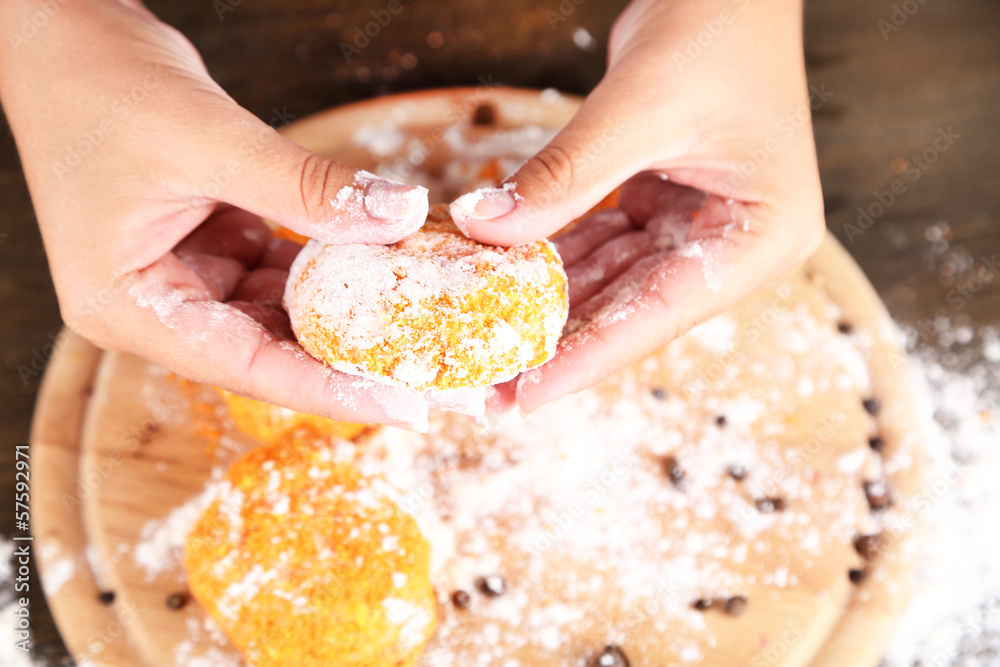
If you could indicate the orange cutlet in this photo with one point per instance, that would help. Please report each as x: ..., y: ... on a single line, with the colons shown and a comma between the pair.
x: 304, y: 561
x: 270, y: 424
x: 435, y: 311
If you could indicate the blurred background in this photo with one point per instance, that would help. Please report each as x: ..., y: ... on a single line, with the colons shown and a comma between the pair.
x: 908, y: 139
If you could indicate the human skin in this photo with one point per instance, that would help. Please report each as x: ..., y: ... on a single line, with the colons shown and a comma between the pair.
x: 733, y: 120
x: 156, y: 244
x: 149, y: 183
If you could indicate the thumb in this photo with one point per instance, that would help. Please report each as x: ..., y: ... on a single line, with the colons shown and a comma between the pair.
x: 314, y: 195
x: 589, y: 158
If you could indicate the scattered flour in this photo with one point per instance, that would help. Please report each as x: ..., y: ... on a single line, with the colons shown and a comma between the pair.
x: 953, y: 619
x: 10, y: 656
x: 584, y: 40
x: 162, y: 545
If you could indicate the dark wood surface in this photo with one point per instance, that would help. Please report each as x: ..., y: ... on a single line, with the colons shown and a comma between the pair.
x: 890, y: 93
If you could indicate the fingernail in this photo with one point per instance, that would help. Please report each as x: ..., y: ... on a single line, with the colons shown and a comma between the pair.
x: 483, y: 204
x: 387, y: 200
x: 409, y: 412
x: 525, y: 380
x: 415, y: 426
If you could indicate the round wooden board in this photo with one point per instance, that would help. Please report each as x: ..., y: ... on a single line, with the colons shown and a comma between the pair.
x: 116, y: 444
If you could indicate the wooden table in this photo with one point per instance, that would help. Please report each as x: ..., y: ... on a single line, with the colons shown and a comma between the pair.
x: 895, y: 84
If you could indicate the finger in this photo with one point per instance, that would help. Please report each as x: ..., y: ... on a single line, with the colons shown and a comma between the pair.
x: 272, y: 318
x: 613, y: 299
x: 588, y: 276
x: 660, y: 298
x: 305, y: 192
x: 262, y: 286
x: 619, y: 326
x: 589, y: 158
x: 649, y: 195
x: 214, y: 343
x: 229, y: 232
x: 592, y: 231
x: 219, y: 274
x: 500, y: 402
x: 279, y: 254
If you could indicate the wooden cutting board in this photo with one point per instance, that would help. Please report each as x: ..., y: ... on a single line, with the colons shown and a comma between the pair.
x: 116, y: 444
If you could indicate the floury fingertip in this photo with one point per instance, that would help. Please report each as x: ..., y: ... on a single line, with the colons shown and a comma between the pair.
x: 387, y: 200
x: 483, y: 205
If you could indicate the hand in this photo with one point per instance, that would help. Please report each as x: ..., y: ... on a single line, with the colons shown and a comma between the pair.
x: 149, y: 183
x: 727, y: 194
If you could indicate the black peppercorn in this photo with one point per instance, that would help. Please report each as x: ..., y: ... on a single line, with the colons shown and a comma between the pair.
x: 674, y: 472
x: 768, y: 505
x: 872, y: 405
x: 611, y: 656
x: 461, y: 600
x: 878, y: 495
x: 177, y: 601
x: 493, y: 585
x: 868, y: 546
x: 484, y: 114
x: 736, y: 605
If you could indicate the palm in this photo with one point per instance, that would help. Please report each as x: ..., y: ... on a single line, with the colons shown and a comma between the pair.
x: 633, y: 272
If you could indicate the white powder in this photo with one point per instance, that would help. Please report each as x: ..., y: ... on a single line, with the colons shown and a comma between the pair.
x: 162, y: 545
x: 716, y: 334
x: 957, y: 600
x: 522, y: 141
x: 954, y: 616
x: 234, y: 598
x: 379, y: 298
x: 151, y: 291
x: 551, y: 96
x: 193, y: 652
x: 381, y: 140
x: 584, y: 40
x: 470, y: 200
x: 411, y: 619
x: 57, y: 573
x: 601, y: 450
x: 852, y: 462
